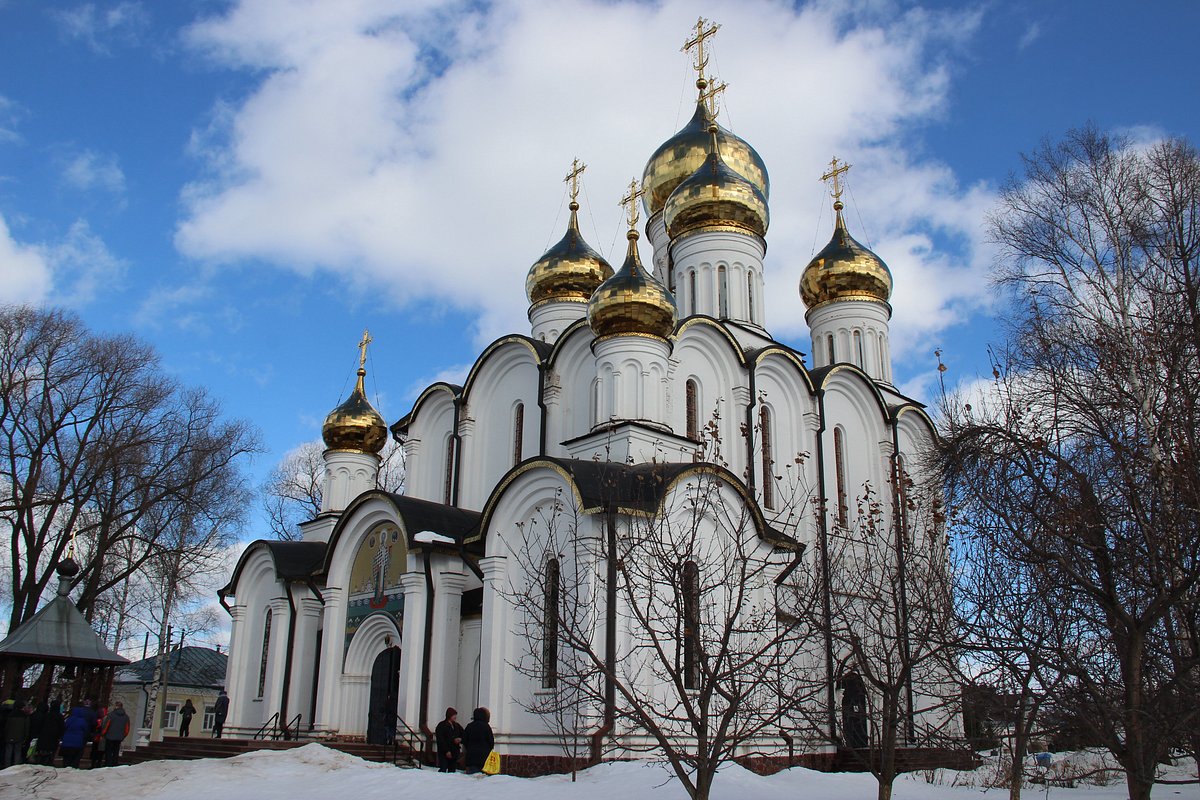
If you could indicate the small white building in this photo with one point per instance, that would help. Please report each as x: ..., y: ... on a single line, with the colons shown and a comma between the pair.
x: 628, y: 389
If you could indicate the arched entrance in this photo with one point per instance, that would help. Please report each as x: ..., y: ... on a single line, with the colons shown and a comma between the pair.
x: 854, y: 713
x: 383, y: 697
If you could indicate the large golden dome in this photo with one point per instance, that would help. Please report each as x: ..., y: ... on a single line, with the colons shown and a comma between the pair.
x: 355, y: 424
x: 681, y: 155
x: 716, y: 196
x: 633, y: 301
x: 845, y: 270
x: 570, y: 270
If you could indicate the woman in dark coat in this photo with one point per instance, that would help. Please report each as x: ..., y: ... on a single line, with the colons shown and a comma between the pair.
x: 49, y: 733
x: 449, y: 741
x: 478, y: 740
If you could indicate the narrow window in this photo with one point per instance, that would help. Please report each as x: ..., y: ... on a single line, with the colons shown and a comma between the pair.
x: 722, y: 293
x: 262, y: 667
x: 839, y: 457
x: 595, y: 401
x: 449, y: 487
x: 768, y: 468
x: 858, y: 350
x: 902, y: 494
x: 692, y: 290
x: 518, y: 432
x: 750, y: 294
x: 690, y: 595
x: 693, y: 423
x: 550, y: 610
x: 829, y: 342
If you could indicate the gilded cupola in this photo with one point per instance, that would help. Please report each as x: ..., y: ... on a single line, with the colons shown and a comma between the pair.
x: 679, y: 157
x: 845, y: 270
x: 632, y: 301
x: 570, y: 270
x: 355, y: 424
x: 716, y: 196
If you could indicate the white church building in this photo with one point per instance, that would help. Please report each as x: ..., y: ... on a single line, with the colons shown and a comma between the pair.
x: 630, y: 387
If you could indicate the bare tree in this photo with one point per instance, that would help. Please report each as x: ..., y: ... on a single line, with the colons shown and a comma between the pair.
x: 292, y: 492
x: 692, y: 588
x: 1082, y: 463
x: 887, y: 622
x: 100, y: 452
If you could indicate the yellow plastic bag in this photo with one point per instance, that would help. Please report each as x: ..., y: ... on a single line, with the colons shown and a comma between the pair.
x: 492, y: 765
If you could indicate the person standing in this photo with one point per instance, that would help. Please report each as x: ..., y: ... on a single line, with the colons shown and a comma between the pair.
x: 76, y: 732
x: 49, y: 733
x: 448, y: 734
x: 16, y: 734
x: 116, y: 728
x: 478, y: 740
x: 220, y: 712
x: 97, y: 757
x: 185, y: 718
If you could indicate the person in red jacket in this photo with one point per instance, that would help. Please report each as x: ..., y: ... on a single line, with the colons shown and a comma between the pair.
x: 116, y: 728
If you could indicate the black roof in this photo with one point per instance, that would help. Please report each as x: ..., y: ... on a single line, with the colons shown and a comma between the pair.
x: 58, y: 633
x: 187, y: 666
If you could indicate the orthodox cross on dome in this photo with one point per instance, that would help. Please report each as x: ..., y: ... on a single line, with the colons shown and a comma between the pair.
x: 702, y: 33
x: 362, y: 348
x: 629, y: 202
x: 836, y: 170
x: 708, y: 96
x: 577, y: 168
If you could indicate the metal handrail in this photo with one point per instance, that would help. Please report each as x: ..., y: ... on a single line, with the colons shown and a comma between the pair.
x: 291, y: 730
x: 402, y: 730
x: 272, y: 723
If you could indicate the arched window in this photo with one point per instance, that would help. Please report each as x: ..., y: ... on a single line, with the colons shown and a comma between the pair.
x: 690, y: 401
x: 692, y: 290
x: 550, y: 609
x: 518, y: 432
x: 839, y: 457
x: 448, y: 489
x: 690, y: 597
x: 829, y: 343
x: 768, y: 466
x: 750, y: 294
x: 858, y: 350
x: 594, y: 402
x: 902, y: 494
x: 262, y: 666
x: 722, y: 293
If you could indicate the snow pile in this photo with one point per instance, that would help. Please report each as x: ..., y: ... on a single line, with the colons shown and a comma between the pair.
x: 317, y: 771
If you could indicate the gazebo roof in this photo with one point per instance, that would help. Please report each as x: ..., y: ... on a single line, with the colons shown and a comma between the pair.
x: 59, y: 633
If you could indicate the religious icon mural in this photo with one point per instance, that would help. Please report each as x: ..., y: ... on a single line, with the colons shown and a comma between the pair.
x: 375, y: 578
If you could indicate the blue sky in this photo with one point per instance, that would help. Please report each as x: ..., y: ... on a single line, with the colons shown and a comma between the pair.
x: 247, y: 185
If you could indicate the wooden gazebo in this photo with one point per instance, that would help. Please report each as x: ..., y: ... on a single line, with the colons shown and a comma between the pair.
x: 58, y: 635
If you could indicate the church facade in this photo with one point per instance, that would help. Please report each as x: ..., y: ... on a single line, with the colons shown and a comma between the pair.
x: 632, y: 388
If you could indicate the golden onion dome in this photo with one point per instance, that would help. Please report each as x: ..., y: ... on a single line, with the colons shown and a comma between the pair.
x: 681, y: 155
x: 355, y: 424
x: 845, y: 270
x: 633, y: 301
x: 716, y: 196
x: 570, y: 270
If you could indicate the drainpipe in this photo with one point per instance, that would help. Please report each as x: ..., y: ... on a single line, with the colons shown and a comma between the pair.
x: 824, y: 534
x: 610, y: 638
x: 898, y: 513
x: 427, y: 654
x: 287, y: 664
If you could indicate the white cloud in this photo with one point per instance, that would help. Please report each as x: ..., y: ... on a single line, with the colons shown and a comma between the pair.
x: 101, y: 27
x: 25, y: 275
x: 418, y: 152
x: 1031, y: 35
x: 91, y: 170
x: 10, y: 114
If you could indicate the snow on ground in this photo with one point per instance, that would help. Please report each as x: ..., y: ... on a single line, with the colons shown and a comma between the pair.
x: 316, y: 771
